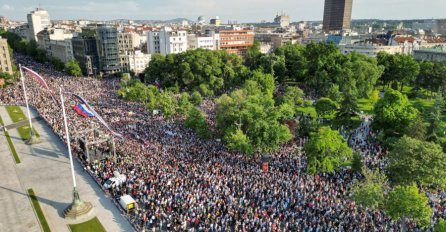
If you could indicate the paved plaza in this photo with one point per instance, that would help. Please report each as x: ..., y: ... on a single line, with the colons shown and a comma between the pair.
x: 45, y: 168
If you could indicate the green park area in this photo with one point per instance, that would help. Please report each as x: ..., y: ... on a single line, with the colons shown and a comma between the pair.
x: 93, y: 225
x: 17, y: 115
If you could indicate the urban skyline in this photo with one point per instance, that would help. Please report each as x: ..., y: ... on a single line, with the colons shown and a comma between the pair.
x: 307, y: 10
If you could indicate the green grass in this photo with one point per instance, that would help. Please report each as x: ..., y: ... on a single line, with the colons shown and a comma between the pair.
x: 17, y: 115
x: 11, y: 145
x: 41, y: 217
x: 94, y: 225
x: 365, y: 105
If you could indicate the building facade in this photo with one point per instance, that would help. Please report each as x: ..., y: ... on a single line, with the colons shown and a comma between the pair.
x: 5, y: 57
x: 337, y: 15
x: 138, y: 62
x: 128, y: 42
x: 108, y: 49
x: 434, y: 54
x: 38, y: 20
x: 166, y: 41
x: 236, y: 41
x: 62, y: 49
x: 85, y: 51
x: 203, y: 42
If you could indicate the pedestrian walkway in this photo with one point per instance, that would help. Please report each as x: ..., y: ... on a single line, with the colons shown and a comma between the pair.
x: 45, y: 168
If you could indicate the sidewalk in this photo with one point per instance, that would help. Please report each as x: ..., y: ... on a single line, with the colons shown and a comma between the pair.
x: 16, y: 213
x: 45, y: 167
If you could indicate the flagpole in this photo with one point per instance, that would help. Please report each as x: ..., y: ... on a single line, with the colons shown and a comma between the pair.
x: 31, y: 131
x: 78, y: 207
x: 68, y: 138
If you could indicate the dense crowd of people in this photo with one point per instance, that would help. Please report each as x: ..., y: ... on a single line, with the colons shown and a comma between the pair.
x: 183, y: 183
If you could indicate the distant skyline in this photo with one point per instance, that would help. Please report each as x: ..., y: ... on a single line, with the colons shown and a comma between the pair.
x: 234, y: 10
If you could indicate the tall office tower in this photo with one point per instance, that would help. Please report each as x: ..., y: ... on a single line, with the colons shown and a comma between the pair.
x: 337, y: 15
x: 108, y: 49
x: 38, y: 20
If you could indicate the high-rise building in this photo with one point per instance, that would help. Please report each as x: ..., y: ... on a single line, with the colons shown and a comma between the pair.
x: 85, y: 51
x: 38, y: 20
x: 337, y: 15
x: 108, y: 49
x: 5, y: 57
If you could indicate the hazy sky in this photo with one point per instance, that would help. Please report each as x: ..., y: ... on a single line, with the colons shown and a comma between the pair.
x: 240, y: 10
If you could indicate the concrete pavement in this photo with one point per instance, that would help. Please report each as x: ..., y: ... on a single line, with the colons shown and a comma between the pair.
x: 45, y: 168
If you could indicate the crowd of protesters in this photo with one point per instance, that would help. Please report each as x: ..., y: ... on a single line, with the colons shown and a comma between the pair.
x: 183, y: 183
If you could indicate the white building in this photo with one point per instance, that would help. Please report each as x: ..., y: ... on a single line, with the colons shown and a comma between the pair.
x: 38, y: 20
x: 204, y: 42
x: 372, y: 50
x: 166, y: 41
x: 139, y: 61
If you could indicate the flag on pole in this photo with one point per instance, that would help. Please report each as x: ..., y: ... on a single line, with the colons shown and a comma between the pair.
x: 83, y: 110
x: 101, y: 120
x: 39, y: 79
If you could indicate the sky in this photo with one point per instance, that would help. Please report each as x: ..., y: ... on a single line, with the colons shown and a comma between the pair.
x: 234, y: 10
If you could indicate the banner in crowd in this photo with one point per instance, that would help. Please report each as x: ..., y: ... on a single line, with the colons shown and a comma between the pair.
x: 84, y: 102
x: 39, y: 79
x: 83, y: 110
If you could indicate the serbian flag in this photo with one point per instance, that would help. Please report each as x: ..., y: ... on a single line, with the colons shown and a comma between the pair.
x: 83, y: 110
x: 96, y: 115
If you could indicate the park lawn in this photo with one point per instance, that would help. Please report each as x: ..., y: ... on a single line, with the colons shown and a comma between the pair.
x: 94, y: 225
x: 366, y: 106
x: 17, y: 115
x: 39, y: 212
x: 24, y: 132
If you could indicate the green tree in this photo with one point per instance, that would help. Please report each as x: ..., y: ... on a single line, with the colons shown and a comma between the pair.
x: 412, y: 160
x: 393, y: 113
x: 357, y: 163
x: 325, y: 107
x: 196, y: 98
x: 292, y: 96
x: 417, y: 129
x: 398, y: 68
x: 236, y: 140
x: 370, y: 191
x: 406, y: 202
x: 184, y: 104
x: 440, y: 226
x: 73, y: 68
x: 58, y: 64
x: 167, y: 103
x: 334, y: 94
x: 256, y: 115
x: 326, y: 151
x: 253, y: 56
x: 196, y: 121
